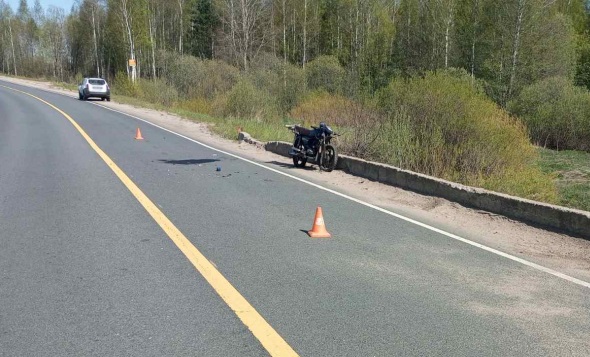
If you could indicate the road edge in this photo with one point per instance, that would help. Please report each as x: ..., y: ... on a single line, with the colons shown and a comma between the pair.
x: 544, y: 215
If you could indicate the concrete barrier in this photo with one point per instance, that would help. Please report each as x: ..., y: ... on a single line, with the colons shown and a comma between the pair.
x: 557, y: 218
x: 278, y: 147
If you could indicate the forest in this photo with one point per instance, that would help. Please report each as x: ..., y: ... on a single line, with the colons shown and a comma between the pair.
x: 466, y: 90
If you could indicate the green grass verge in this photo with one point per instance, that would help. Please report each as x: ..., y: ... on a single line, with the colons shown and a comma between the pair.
x: 67, y: 86
x: 225, y: 127
x: 571, y: 170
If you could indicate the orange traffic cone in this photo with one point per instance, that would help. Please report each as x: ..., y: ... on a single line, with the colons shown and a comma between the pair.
x: 138, y: 135
x: 319, y: 228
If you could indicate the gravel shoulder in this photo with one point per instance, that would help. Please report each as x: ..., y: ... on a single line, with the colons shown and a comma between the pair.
x: 569, y: 255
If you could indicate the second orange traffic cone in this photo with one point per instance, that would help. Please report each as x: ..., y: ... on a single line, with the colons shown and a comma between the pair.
x: 319, y: 228
x: 138, y: 135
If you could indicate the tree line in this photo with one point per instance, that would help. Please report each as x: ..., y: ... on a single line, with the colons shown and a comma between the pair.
x: 504, y: 44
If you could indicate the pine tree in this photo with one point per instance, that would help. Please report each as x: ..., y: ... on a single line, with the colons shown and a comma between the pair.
x: 204, y: 20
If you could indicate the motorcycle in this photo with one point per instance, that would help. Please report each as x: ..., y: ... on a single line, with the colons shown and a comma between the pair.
x: 314, y: 145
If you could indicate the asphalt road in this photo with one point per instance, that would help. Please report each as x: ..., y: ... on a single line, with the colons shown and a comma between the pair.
x: 85, y: 270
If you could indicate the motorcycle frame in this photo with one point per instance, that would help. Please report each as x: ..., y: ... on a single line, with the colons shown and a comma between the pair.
x: 321, y: 147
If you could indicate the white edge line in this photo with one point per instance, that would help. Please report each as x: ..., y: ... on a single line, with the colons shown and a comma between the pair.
x: 440, y: 231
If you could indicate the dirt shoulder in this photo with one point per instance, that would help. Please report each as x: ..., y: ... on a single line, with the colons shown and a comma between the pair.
x: 569, y: 255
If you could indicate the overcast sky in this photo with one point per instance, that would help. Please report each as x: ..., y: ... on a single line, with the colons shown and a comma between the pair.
x: 64, y: 4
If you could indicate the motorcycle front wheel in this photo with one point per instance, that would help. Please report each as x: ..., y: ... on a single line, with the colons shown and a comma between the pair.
x: 328, y: 159
x: 299, y: 161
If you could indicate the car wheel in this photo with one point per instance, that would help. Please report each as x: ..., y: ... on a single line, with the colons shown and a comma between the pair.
x: 102, y: 99
x: 108, y: 99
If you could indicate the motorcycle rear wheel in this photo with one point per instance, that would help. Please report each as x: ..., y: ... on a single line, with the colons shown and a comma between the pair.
x: 299, y: 161
x: 329, y: 159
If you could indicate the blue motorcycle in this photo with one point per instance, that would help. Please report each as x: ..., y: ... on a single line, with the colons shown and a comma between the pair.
x: 314, y: 144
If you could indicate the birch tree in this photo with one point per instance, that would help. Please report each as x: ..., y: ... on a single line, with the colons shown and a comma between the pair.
x: 181, y: 27
x: 54, y: 32
x: 130, y: 13
x: 92, y: 13
x: 245, y: 32
x: 8, y: 48
x: 12, y: 46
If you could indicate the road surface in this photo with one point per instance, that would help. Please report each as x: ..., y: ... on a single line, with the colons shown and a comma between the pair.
x: 87, y: 269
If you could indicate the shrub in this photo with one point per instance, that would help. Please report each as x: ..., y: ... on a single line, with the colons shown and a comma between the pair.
x: 556, y: 112
x: 157, y: 91
x: 197, y: 105
x: 266, y: 61
x: 325, y: 73
x: 443, y: 126
x: 196, y: 78
x: 284, y: 83
x: 78, y: 78
x: 292, y: 87
x: 358, y: 123
x: 247, y: 101
x: 122, y: 85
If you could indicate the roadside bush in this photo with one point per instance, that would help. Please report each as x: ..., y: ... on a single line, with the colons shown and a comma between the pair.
x: 122, y: 85
x: 325, y: 73
x: 197, y: 105
x: 78, y: 78
x: 247, y: 101
x: 266, y: 61
x: 157, y: 92
x: 293, y: 87
x: 556, y: 112
x: 216, y: 77
x: 196, y: 78
x: 441, y: 125
x: 284, y: 83
x: 322, y: 106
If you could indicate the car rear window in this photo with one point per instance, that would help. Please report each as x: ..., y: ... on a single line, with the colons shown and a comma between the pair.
x: 98, y: 82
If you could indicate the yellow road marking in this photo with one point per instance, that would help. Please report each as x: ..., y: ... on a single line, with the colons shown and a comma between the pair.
x: 268, y: 337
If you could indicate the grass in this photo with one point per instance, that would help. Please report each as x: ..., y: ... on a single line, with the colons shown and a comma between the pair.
x: 226, y: 127
x: 571, y: 172
x: 67, y: 86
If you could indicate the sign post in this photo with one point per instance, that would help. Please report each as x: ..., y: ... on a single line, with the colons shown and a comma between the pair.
x: 132, y: 63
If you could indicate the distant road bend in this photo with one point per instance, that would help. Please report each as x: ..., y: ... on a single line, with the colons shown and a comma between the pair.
x: 113, y: 246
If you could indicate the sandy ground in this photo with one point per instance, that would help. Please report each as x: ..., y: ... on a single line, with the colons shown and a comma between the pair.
x: 561, y: 252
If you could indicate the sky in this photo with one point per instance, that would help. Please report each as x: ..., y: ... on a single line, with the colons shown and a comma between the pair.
x: 64, y: 4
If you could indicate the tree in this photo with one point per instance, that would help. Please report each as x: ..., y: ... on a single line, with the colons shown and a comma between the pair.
x: 470, y: 31
x: 204, y: 21
x: 8, y: 45
x: 521, y: 45
x: 53, y: 31
x: 92, y: 13
x: 130, y: 17
x: 244, y: 28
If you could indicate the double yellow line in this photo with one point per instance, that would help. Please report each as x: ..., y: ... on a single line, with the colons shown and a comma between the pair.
x: 267, y: 336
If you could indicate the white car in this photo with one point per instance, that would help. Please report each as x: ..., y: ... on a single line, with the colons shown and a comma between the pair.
x: 94, y: 87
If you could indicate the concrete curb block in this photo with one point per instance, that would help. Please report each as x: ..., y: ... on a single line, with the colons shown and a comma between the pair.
x: 562, y: 219
x: 243, y: 136
x: 278, y: 147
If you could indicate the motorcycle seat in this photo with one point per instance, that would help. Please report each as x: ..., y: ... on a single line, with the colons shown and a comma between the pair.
x: 303, y: 131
